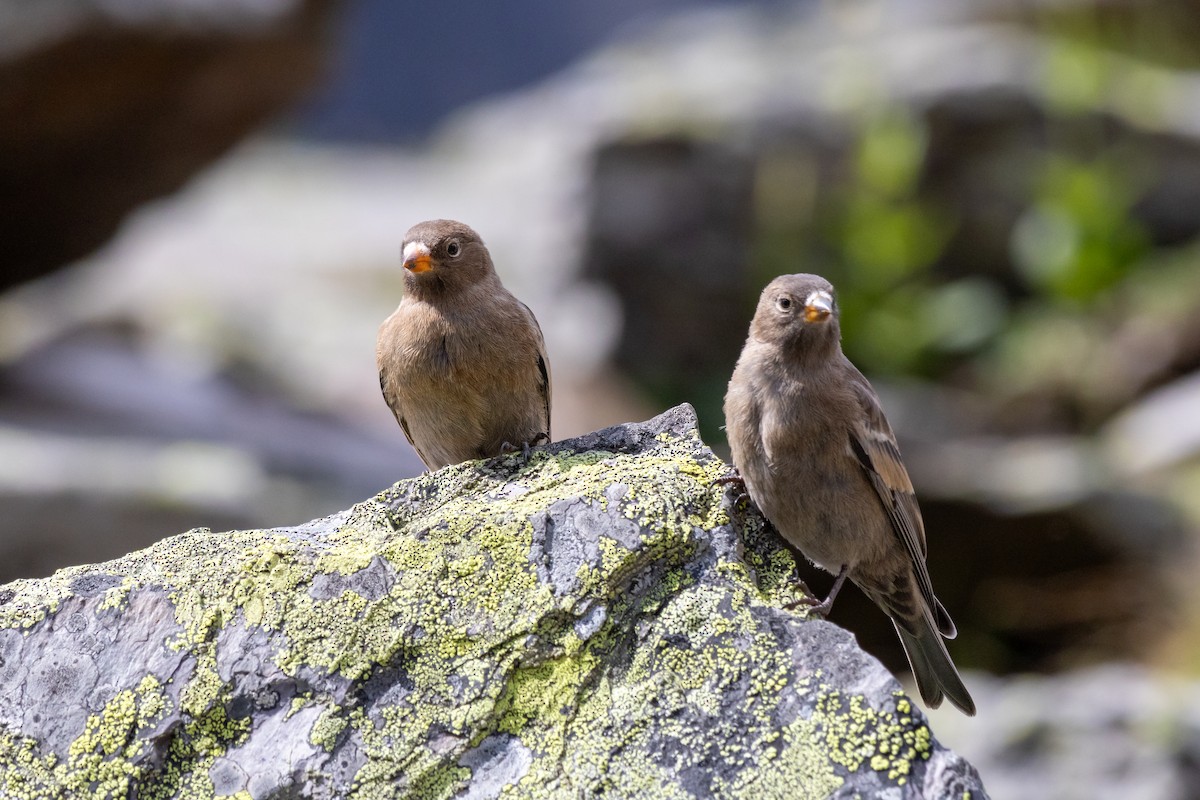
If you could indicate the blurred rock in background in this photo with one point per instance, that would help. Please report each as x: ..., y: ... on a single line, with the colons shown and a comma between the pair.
x: 1107, y: 732
x: 109, y: 446
x: 669, y: 231
x: 1006, y: 195
x: 106, y: 106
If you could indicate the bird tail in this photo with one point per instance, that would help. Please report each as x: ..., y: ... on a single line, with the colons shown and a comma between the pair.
x: 932, y: 668
x: 944, y: 623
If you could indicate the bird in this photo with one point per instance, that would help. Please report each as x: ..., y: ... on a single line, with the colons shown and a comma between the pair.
x: 817, y: 456
x: 462, y: 362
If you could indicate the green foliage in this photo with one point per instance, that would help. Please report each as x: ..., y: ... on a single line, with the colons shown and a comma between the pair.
x: 877, y: 237
x: 869, y: 218
x: 1077, y: 238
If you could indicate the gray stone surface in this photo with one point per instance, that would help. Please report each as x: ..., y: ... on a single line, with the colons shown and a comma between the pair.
x: 600, y: 620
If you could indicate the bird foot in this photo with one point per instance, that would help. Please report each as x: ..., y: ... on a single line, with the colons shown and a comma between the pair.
x: 814, y: 606
x: 508, y: 448
x: 525, y: 448
x: 820, y: 608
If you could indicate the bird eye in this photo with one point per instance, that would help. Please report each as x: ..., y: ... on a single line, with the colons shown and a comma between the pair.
x: 784, y: 303
x: 453, y: 249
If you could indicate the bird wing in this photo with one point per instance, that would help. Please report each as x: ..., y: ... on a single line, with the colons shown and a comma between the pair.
x: 543, y: 364
x: 874, y: 444
x: 394, y: 404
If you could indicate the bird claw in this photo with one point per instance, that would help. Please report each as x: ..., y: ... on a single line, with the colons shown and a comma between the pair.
x: 820, y: 608
x: 816, y: 607
x: 730, y: 480
x: 525, y: 448
x: 734, y: 480
x: 508, y: 448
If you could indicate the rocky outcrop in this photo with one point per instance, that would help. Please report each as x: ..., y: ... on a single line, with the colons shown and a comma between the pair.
x: 599, y: 620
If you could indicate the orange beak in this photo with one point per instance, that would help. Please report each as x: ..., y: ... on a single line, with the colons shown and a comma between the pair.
x: 416, y: 258
x: 818, y: 306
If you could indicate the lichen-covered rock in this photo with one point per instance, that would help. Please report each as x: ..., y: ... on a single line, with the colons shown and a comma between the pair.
x: 587, y: 623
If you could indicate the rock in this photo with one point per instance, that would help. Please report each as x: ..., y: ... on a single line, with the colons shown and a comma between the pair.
x: 107, y: 105
x: 1160, y: 431
x: 585, y: 624
x: 670, y: 230
x: 1106, y: 733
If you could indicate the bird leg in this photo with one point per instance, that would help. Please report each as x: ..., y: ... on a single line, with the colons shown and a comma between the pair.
x: 539, y: 437
x: 821, y: 607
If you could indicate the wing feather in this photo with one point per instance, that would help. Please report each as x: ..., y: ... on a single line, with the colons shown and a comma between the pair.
x: 874, y: 444
x: 543, y: 364
x: 394, y: 404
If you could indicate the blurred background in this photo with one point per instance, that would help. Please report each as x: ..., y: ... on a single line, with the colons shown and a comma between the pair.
x: 201, y: 206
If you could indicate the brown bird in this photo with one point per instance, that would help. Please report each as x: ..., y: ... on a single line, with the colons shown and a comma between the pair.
x: 462, y: 362
x: 818, y: 457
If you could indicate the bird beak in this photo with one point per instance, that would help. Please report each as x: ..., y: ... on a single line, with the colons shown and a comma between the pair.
x: 416, y: 258
x: 818, y: 306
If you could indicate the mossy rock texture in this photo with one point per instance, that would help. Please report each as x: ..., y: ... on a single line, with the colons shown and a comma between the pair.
x: 599, y: 621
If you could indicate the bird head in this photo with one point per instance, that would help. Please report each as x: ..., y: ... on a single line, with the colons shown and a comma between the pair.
x: 799, y: 312
x: 441, y: 255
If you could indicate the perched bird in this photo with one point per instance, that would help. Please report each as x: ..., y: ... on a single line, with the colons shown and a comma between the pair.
x: 817, y: 456
x: 462, y: 362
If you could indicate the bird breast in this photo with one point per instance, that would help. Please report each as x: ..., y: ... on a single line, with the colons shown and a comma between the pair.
x: 427, y: 347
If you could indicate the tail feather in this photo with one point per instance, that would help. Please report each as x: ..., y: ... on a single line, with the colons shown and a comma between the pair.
x: 944, y: 624
x: 932, y: 668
